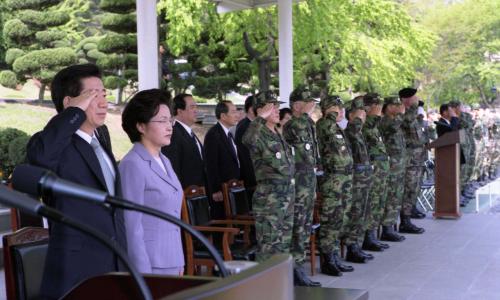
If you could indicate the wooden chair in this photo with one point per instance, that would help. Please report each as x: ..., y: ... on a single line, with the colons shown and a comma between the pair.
x: 24, y: 259
x: 196, y: 212
x: 237, y: 206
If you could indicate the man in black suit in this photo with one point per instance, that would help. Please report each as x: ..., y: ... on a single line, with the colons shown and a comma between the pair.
x: 185, y: 150
x: 69, y: 147
x: 246, y: 165
x: 221, y: 154
x: 448, y: 121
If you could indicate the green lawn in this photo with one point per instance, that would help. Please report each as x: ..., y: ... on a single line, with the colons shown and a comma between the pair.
x: 31, y: 119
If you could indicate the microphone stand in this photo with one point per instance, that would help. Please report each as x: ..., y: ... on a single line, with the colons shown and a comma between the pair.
x: 125, y: 204
x: 34, y: 207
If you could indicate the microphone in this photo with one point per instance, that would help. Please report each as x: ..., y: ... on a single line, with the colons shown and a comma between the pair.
x: 25, y: 203
x: 41, y: 182
x: 38, y: 181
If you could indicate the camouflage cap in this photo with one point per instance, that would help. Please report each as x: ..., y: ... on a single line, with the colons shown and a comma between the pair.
x: 372, y: 98
x: 301, y: 93
x: 329, y: 101
x: 357, y: 103
x: 454, y: 103
x: 266, y: 97
x: 392, y: 100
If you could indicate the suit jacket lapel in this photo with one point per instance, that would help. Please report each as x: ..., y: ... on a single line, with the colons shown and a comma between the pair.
x: 144, y: 154
x: 226, y: 142
x: 90, y: 158
x: 189, y: 140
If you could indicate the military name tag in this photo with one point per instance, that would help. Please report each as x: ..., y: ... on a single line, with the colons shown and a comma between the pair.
x: 342, y: 148
x: 423, y: 129
x: 339, y: 136
x: 380, y: 138
x: 278, y: 155
x: 308, y: 147
x: 293, y: 151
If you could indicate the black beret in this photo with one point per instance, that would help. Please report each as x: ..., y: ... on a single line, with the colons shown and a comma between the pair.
x: 407, y: 92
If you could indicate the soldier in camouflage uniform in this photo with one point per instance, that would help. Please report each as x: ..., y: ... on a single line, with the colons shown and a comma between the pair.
x: 357, y: 211
x: 380, y: 161
x: 274, y: 197
x: 300, y: 133
x: 395, y: 144
x: 335, y: 185
x: 416, y: 156
x: 468, y: 147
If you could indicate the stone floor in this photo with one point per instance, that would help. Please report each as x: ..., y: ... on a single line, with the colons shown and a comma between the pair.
x: 453, y: 259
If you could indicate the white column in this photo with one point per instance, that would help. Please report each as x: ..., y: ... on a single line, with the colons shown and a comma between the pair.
x: 285, y: 48
x: 147, y: 44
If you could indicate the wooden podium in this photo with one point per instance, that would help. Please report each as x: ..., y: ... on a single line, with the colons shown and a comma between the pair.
x: 447, y: 174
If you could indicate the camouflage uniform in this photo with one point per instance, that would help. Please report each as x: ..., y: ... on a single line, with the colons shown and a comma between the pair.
x: 273, y: 200
x: 480, y: 142
x: 300, y: 133
x: 416, y: 155
x: 357, y: 210
x: 395, y: 144
x: 336, y: 184
x: 468, y: 147
x: 380, y: 162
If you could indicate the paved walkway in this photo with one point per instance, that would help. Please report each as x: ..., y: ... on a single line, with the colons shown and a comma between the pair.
x: 453, y: 259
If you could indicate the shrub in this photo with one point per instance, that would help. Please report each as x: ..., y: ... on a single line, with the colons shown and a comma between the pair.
x: 8, y: 135
x: 8, y: 79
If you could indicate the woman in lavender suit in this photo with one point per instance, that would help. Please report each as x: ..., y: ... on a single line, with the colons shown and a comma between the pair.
x: 147, y: 178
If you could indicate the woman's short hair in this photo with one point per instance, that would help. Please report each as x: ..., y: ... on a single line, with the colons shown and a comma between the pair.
x: 141, y: 109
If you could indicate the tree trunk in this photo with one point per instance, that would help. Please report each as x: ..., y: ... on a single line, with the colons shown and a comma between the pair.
x: 119, y: 99
x: 41, y: 92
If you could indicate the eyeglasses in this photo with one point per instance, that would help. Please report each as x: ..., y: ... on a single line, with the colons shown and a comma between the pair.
x: 164, y: 122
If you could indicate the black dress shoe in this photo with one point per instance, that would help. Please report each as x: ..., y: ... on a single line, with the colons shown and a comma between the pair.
x: 388, y: 234
x: 354, y: 255
x: 328, y: 265
x: 407, y: 226
x: 417, y: 214
x: 340, y: 265
x: 383, y: 245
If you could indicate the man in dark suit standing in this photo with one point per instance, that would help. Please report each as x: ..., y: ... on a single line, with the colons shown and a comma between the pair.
x: 185, y: 150
x: 448, y: 121
x: 246, y: 165
x: 221, y: 154
x: 68, y: 146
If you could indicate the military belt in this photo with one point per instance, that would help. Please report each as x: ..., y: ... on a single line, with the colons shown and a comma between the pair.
x: 277, y: 181
x: 346, y: 170
x: 362, y: 168
x: 379, y: 157
x: 304, y: 168
x: 414, y: 146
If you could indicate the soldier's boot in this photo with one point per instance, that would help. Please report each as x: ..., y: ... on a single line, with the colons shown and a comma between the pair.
x: 328, y: 265
x: 388, y: 234
x: 368, y: 256
x: 354, y: 255
x: 301, y: 279
x: 340, y: 265
x: 369, y: 243
x: 378, y: 242
x: 407, y: 226
x: 416, y: 213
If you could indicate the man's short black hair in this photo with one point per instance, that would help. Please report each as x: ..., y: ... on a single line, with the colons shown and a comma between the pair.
x: 222, y: 108
x: 443, y: 108
x: 68, y: 82
x: 180, y: 102
x: 284, y: 111
x: 141, y: 109
x: 248, y: 103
